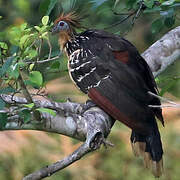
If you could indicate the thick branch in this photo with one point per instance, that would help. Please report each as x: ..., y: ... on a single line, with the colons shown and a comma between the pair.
x: 69, y: 119
x: 164, y: 52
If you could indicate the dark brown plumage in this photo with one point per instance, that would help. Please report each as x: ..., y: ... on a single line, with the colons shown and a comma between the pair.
x: 111, y: 71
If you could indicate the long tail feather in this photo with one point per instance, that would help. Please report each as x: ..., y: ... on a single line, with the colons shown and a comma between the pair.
x: 150, y: 148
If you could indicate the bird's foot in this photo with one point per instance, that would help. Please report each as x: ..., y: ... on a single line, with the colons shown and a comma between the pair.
x: 89, y: 104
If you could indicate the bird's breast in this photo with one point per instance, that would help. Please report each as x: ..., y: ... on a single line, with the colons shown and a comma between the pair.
x: 82, y: 69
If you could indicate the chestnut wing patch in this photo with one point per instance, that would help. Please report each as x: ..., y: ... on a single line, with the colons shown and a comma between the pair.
x: 129, y: 114
x: 122, y: 56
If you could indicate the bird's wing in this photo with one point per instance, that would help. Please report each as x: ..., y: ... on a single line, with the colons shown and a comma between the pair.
x: 122, y: 81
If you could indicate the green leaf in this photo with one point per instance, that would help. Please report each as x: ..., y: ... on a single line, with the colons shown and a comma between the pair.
x: 7, y: 90
x: 14, y: 35
x: 13, y: 72
x: 6, y: 66
x: 51, y: 6
x: 149, y: 3
x: 45, y: 20
x: 31, y: 67
x: 168, y: 3
x: 25, y: 114
x: 23, y: 26
x: 167, y: 87
x: 46, y: 110
x: 37, y: 28
x: 167, y: 13
x: 130, y: 3
x: 32, y: 53
x: 116, y: 3
x: 175, y: 4
x: 169, y: 21
x: 157, y: 25
x: 3, y: 120
x: 2, y: 104
x: 44, y: 35
x: 55, y: 65
x: 3, y: 45
x: 23, y: 41
x: 44, y: 6
x: 36, y: 78
x: 30, y: 106
x: 99, y: 2
x: 152, y: 10
x: 13, y: 49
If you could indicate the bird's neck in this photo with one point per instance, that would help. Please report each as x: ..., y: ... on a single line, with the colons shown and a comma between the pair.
x: 64, y: 36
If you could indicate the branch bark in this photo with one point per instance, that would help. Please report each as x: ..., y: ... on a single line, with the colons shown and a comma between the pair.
x: 163, y: 52
x: 93, y: 125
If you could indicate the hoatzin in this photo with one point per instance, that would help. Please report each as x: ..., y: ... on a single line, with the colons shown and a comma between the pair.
x: 110, y: 70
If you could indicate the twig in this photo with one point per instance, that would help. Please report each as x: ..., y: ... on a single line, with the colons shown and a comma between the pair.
x: 47, y: 60
x: 137, y: 12
x: 50, y: 48
x: 51, y: 169
x: 119, y: 22
x: 44, y: 60
x: 24, y: 89
x: 39, y: 49
x: 27, y: 95
x: 121, y: 14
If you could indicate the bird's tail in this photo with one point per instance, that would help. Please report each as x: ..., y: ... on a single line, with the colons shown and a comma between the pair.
x: 150, y: 148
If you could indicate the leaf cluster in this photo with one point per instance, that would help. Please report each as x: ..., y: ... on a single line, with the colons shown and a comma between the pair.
x: 19, y: 57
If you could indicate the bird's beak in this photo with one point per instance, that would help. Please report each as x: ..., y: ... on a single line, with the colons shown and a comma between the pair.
x: 54, y: 30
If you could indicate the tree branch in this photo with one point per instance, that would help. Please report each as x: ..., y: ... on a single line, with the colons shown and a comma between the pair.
x: 69, y: 119
x: 49, y: 170
x: 164, y: 52
x: 91, y: 126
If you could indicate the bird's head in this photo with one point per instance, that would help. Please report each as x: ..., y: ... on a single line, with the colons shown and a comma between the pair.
x: 65, y: 26
x: 67, y: 23
x: 60, y: 26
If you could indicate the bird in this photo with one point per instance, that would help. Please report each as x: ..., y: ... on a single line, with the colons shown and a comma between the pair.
x: 110, y: 70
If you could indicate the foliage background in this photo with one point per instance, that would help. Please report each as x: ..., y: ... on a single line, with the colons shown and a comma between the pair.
x: 26, y: 151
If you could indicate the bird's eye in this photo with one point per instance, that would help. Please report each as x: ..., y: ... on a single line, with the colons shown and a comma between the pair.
x: 61, y: 24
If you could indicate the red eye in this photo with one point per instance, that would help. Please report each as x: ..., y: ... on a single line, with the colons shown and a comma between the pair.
x: 61, y: 24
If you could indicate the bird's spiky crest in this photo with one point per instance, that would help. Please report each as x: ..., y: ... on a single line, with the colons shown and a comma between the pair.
x: 72, y: 18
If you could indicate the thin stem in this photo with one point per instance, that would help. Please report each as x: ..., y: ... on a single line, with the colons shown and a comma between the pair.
x: 61, y: 164
x: 28, y: 97
x: 24, y: 89
x: 39, y: 49
x: 47, y: 60
x: 50, y: 48
x: 137, y: 12
x: 119, y: 22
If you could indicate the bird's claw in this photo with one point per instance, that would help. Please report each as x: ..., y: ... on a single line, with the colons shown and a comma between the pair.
x: 89, y: 104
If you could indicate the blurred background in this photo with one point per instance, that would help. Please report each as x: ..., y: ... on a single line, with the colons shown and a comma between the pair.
x: 23, y: 152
